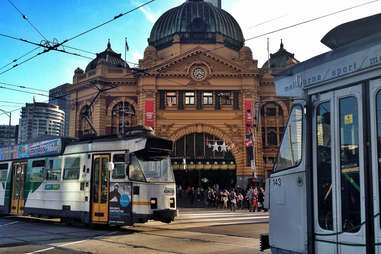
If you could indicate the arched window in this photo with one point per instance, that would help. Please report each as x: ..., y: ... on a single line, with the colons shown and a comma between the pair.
x: 84, y: 126
x: 272, y: 138
x: 123, y: 115
x: 271, y: 109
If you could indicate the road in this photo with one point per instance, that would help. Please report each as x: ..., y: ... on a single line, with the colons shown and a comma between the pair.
x: 194, y: 231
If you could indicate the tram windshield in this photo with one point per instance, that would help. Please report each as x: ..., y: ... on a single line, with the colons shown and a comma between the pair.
x: 151, y: 169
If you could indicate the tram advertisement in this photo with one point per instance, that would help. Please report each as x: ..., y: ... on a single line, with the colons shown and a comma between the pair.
x: 44, y: 148
x: 120, y: 203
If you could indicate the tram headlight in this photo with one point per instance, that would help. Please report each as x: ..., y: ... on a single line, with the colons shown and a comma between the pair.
x: 172, y: 202
x: 153, y: 203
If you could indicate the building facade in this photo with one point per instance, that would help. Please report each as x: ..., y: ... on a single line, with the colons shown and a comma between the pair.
x: 59, y: 96
x: 8, y: 135
x: 40, y: 120
x: 197, y: 85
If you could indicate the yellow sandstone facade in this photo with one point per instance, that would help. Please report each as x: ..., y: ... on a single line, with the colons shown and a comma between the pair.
x: 209, y: 97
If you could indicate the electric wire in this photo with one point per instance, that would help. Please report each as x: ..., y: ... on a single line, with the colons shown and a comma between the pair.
x: 26, y: 18
x: 111, y: 20
x: 12, y: 102
x: 313, y: 19
x: 55, y: 46
x: 206, y: 51
x: 27, y: 60
x: 21, y: 91
x: 15, y: 60
x: 22, y: 86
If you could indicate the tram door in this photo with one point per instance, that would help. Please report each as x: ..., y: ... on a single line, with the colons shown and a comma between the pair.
x: 338, y: 168
x: 375, y: 121
x: 100, y: 187
x: 18, y: 180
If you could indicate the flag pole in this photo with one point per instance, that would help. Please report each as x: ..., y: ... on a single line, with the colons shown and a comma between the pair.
x: 125, y: 50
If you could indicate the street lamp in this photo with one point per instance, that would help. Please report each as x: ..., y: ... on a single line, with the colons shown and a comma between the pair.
x: 9, y: 114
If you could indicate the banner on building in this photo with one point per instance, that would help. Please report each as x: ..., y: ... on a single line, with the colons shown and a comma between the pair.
x: 249, y: 116
x: 149, y: 114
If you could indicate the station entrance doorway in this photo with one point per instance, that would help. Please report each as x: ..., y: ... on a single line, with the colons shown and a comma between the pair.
x: 203, y: 160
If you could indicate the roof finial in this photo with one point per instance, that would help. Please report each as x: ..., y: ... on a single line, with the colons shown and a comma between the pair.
x: 109, y: 44
x: 281, y: 44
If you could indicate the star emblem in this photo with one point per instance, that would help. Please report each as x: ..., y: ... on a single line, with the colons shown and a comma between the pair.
x: 224, y: 147
x: 215, y: 146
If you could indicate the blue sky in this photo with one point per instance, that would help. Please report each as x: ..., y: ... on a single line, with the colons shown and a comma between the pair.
x: 63, y: 19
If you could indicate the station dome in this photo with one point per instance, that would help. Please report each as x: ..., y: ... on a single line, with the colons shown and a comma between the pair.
x: 196, y: 22
x: 280, y: 59
x: 109, y: 58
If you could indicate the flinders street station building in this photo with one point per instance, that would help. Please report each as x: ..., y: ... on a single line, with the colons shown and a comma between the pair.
x: 197, y: 85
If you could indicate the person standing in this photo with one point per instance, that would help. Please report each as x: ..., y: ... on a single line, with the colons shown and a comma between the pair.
x: 260, y: 199
x: 233, y: 200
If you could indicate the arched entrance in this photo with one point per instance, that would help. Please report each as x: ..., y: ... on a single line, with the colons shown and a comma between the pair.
x: 202, y: 159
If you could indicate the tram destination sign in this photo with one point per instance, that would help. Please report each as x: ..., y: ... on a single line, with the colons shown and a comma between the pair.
x: 37, y: 149
x: 328, y: 66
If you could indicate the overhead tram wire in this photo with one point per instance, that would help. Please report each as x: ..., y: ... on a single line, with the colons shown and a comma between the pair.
x: 24, y: 87
x: 55, y: 97
x: 21, y: 91
x: 313, y: 19
x: 297, y: 24
x: 12, y: 102
x: 26, y: 18
x: 55, y: 46
x: 300, y: 23
x: 15, y: 60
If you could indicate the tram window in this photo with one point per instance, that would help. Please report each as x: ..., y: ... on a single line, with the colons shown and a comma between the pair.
x: 38, y: 164
x: 119, y: 171
x: 135, y: 171
x: 37, y: 172
x: 53, y: 172
x: 71, y: 168
x: 324, y: 163
x: 290, y: 151
x: 349, y: 165
x: 3, y: 172
x: 118, y: 158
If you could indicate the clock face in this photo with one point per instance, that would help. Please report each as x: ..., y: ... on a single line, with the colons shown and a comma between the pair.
x: 198, y: 74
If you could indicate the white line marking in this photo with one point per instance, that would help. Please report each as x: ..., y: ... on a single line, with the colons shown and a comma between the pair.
x: 66, y: 244
x: 51, y: 248
x: 10, y: 223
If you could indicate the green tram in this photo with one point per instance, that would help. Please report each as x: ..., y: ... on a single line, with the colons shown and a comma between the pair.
x: 108, y: 180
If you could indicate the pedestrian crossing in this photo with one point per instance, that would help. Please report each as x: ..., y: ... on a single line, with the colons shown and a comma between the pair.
x: 188, y: 217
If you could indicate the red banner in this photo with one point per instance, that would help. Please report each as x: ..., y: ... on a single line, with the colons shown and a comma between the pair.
x: 149, y: 114
x: 249, y: 115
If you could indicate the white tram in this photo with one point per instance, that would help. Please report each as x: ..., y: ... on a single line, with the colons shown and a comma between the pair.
x: 325, y: 187
x: 109, y: 180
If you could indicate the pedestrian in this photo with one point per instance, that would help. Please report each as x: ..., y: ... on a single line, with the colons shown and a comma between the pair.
x: 233, y: 200
x: 250, y: 199
x: 260, y: 199
x: 224, y: 196
x: 240, y: 200
x: 255, y: 200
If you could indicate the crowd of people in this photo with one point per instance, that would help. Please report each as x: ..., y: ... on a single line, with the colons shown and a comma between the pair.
x: 251, y: 198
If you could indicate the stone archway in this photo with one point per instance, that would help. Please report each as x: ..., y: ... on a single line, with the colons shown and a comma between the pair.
x: 221, y: 167
x: 175, y: 134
